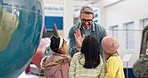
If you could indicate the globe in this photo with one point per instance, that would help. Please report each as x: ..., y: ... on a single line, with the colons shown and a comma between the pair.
x: 140, y: 67
x: 21, y: 26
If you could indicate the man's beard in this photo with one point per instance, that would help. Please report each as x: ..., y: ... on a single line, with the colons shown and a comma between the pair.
x: 86, y: 26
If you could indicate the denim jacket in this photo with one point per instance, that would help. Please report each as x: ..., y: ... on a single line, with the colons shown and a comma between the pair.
x: 97, y: 32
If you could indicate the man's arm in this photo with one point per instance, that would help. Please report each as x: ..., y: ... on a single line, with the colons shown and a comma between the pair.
x: 102, y: 33
x: 72, y: 43
x: 78, y: 39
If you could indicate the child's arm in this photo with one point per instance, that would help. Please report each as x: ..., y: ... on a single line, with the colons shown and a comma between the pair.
x: 112, y: 67
x: 72, y: 69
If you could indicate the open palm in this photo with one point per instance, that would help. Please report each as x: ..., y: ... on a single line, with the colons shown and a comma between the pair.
x: 79, y: 38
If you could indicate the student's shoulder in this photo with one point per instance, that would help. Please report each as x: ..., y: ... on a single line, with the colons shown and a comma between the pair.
x: 77, y: 54
x: 113, y: 58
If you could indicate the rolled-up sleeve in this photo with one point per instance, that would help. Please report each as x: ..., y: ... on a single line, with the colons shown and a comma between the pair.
x: 72, y: 43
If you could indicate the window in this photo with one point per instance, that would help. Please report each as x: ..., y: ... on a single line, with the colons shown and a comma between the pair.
x: 114, y: 30
x: 145, y: 22
x: 129, y: 35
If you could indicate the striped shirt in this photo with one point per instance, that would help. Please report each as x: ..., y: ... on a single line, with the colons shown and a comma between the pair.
x: 77, y: 69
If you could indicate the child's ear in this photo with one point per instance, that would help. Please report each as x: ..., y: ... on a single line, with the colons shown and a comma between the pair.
x: 61, y: 49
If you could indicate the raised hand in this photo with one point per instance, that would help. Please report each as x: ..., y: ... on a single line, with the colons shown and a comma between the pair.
x: 78, y: 38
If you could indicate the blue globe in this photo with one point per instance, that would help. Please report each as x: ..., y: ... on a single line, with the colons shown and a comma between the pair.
x: 21, y: 25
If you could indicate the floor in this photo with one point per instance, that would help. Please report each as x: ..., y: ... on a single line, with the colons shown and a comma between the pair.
x: 34, y: 73
x: 24, y: 75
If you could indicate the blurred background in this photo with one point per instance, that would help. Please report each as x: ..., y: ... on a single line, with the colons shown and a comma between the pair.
x: 125, y: 19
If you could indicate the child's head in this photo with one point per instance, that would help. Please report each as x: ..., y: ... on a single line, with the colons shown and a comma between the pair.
x: 58, y: 44
x: 110, y: 44
x: 91, y: 52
